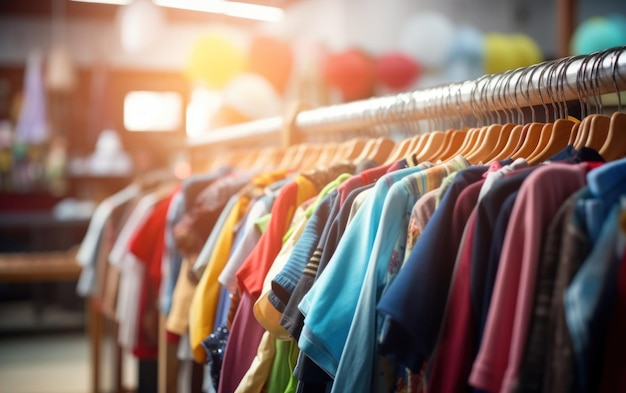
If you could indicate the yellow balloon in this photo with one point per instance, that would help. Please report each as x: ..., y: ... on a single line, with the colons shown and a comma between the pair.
x: 215, y: 60
x: 499, y: 55
x: 529, y: 50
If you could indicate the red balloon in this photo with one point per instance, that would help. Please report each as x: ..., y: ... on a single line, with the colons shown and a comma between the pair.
x: 397, y: 71
x: 272, y: 59
x: 352, y: 72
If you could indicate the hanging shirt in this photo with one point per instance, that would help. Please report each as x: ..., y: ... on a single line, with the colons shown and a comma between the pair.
x: 589, y: 299
x: 205, y: 299
x: 250, y: 237
x: 147, y: 246
x: 505, y: 333
x: 88, y: 250
x: 414, y: 302
x: 173, y: 258
x: 247, y: 333
x: 614, y: 363
x: 357, y: 366
x: 327, y: 314
x: 267, y: 314
x: 531, y: 372
x: 131, y: 274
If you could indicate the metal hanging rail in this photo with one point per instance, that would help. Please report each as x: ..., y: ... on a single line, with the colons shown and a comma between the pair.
x: 558, y: 81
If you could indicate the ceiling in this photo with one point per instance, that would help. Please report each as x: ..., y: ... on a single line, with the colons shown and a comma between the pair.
x: 80, y: 10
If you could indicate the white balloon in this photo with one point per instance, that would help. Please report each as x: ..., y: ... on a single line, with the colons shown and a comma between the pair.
x: 253, y: 96
x: 428, y: 37
x: 140, y: 22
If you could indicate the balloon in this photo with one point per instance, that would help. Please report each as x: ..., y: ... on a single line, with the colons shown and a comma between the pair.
x: 528, y: 49
x: 139, y: 22
x: 215, y: 60
x: 396, y: 71
x: 596, y: 34
x: 500, y: 53
x: 272, y: 59
x: 352, y: 72
x: 428, y: 38
x: 252, y: 96
x: 467, y: 55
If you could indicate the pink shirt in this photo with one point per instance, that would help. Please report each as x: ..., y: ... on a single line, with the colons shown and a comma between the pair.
x: 497, y: 364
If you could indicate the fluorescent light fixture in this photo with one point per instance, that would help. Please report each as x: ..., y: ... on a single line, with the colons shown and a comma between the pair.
x: 230, y: 8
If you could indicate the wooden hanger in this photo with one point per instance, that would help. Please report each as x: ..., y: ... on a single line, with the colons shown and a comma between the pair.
x: 365, y: 152
x: 473, y: 147
x: 454, y: 146
x: 559, y: 139
x: 583, y: 132
x: 486, y: 145
x: 544, y: 139
x: 433, y: 144
x: 327, y: 154
x: 598, y: 131
x: 574, y: 134
x: 615, y: 144
x: 381, y: 150
x: 503, y: 138
x: 419, y: 142
x: 516, y: 135
x: 447, y: 138
x: 399, y: 151
x: 470, y: 138
x: 533, y: 134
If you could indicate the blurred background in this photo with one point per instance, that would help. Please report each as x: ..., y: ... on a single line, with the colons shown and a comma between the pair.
x: 93, y: 93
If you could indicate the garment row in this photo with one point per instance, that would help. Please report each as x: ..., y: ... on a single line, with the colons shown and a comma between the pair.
x: 405, y: 277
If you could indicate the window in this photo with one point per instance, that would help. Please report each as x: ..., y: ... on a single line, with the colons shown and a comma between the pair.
x: 153, y: 111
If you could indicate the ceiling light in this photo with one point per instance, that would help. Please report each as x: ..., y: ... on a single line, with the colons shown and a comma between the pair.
x: 114, y: 2
x: 230, y: 8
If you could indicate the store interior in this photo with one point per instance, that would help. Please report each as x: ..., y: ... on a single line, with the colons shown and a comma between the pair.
x: 100, y: 95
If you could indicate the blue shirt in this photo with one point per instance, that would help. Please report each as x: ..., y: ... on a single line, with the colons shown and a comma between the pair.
x: 330, y: 304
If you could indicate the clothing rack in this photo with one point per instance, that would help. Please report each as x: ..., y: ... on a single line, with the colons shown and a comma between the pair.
x: 550, y: 82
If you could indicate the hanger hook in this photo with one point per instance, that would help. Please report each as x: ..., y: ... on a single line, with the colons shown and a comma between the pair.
x: 559, y: 72
x: 526, y: 93
x: 545, y: 67
x: 502, y: 82
x: 489, y: 99
x: 506, y: 86
x: 614, y: 72
x: 598, y: 60
x: 581, y: 87
x: 550, y: 90
x: 459, y: 107
x: 472, y: 99
x: 520, y: 72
